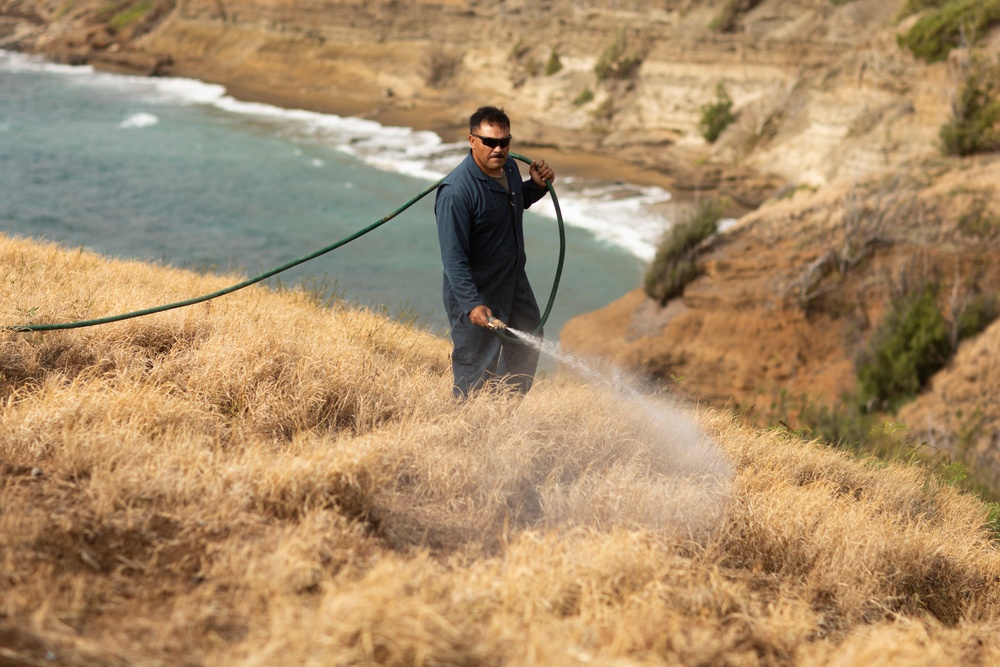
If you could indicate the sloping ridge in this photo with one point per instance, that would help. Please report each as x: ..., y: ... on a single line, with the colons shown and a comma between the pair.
x: 264, y: 480
x: 829, y: 106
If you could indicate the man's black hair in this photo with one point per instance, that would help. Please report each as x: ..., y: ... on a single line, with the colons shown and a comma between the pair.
x: 490, y: 116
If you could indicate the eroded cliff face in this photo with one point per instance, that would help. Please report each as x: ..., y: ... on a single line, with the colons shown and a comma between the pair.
x: 792, y: 296
x: 836, y: 126
x: 822, y: 92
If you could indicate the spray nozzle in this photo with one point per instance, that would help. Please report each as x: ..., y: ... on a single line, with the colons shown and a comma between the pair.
x: 494, y: 324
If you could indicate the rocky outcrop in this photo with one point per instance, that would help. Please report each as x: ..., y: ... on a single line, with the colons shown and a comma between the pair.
x: 766, y: 332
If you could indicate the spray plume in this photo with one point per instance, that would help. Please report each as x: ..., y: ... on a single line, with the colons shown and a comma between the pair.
x: 694, y: 473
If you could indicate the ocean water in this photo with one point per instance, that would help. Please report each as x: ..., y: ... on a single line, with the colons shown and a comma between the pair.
x: 175, y: 171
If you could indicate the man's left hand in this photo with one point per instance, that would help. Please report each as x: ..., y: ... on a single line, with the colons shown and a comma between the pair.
x: 541, y: 172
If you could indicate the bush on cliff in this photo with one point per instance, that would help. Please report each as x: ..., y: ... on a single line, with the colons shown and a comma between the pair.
x: 675, y: 264
x: 948, y: 26
x: 617, y: 62
x: 554, y: 64
x: 716, y: 116
x: 975, y: 123
x: 907, y: 349
x: 121, y: 14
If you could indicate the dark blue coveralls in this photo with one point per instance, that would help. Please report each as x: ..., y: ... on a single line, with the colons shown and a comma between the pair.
x: 481, y: 233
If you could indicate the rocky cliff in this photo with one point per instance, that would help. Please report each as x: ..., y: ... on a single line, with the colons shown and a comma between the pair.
x: 823, y: 92
x: 834, y: 151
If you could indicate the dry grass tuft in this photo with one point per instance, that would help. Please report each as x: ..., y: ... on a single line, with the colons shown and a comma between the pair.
x: 261, y: 481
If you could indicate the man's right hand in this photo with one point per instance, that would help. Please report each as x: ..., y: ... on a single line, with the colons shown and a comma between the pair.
x: 480, y: 316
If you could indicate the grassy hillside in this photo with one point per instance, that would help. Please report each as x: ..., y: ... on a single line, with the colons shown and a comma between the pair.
x: 264, y: 480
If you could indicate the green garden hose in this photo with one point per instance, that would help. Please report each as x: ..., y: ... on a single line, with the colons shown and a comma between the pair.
x: 284, y: 267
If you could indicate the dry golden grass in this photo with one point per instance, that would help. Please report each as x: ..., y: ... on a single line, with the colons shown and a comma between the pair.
x: 262, y: 481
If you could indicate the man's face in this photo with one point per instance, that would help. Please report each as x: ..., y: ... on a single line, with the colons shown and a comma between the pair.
x: 490, y: 159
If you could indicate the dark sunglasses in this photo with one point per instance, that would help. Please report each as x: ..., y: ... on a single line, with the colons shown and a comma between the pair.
x: 495, y: 143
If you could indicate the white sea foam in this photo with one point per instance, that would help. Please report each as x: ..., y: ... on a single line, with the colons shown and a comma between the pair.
x: 622, y: 215
x: 13, y: 61
x: 139, y: 120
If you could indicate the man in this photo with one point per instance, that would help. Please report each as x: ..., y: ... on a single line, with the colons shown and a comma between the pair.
x: 479, y: 207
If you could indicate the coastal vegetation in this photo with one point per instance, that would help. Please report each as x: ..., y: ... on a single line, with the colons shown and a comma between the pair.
x: 928, y: 310
x: 130, y: 14
x: 264, y: 478
x: 716, y: 116
x: 916, y: 339
x: 975, y: 123
x: 676, y: 261
x: 619, y: 61
x: 948, y: 24
x: 586, y: 95
x: 554, y: 64
x: 919, y: 334
x: 907, y: 349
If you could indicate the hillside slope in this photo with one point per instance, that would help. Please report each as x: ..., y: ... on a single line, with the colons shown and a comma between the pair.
x: 263, y: 480
x: 765, y: 330
x: 836, y: 125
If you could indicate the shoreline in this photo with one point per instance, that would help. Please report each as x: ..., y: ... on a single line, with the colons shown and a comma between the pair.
x: 431, y: 113
x: 433, y: 116
x: 618, y: 280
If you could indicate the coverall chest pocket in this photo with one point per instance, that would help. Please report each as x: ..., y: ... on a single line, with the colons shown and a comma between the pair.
x: 494, y: 237
x: 498, y: 206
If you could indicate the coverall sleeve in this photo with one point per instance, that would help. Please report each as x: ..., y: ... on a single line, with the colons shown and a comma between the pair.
x: 454, y: 223
x: 532, y: 192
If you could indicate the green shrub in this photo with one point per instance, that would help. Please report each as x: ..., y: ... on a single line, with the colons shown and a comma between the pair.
x: 975, y: 123
x: 586, y: 95
x: 675, y: 264
x: 981, y: 311
x: 716, y: 116
x: 554, y: 65
x: 615, y: 62
x: 870, y: 436
x: 130, y: 15
x: 907, y: 349
x: 993, y: 519
x: 841, y: 424
x: 109, y: 9
x: 939, y: 31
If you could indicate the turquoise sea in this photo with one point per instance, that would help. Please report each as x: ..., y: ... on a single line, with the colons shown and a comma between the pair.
x: 175, y: 171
